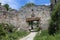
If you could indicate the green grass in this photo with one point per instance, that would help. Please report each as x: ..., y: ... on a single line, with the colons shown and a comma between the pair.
x: 45, y: 36
x: 14, y: 35
x: 8, y: 32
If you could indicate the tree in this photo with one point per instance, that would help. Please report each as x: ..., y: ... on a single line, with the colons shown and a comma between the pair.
x: 6, y: 6
x: 55, y: 20
x: 30, y: 4
x: 0, y: 4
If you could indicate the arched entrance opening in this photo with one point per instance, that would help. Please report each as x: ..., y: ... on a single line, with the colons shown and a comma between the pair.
x: 33, y: 23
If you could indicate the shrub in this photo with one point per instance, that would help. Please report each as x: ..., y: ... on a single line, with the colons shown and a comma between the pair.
x: 55, y: 20
x: 45, y: 36
x: 8, y: 32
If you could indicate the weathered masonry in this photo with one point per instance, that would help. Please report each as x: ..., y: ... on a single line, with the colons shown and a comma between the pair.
x: 27, y: 17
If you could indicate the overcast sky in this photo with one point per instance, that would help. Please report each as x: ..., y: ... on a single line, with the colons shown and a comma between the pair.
x: 16, y: 4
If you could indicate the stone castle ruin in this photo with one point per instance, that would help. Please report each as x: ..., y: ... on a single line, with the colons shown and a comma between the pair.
x: 27, y: 16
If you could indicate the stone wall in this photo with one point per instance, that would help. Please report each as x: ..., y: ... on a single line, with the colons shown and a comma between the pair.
x: 40, y: 11
x: 18, y: 18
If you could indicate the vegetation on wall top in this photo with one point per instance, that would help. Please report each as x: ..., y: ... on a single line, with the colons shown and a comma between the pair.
x: 29, y: 5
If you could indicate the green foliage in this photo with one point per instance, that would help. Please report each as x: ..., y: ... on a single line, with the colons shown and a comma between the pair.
x: 8, y: 32
x: 5, y: 28
x: 55, y: 20
x: 6, y: 6
x: 30, y: 4
x: 0, y: 3
x: 53, y: 28
x: 45, y: 36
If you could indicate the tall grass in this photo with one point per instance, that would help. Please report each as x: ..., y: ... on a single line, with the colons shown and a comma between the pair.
x: 45, y: 36
x: 7, y: 33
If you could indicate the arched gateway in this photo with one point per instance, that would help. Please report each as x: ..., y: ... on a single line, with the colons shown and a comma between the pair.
x: 33, y: 23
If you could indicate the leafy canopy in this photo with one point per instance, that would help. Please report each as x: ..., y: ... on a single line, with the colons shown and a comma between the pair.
x: 6, y: 6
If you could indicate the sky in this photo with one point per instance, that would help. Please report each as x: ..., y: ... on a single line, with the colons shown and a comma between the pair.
x: 16, y: 4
